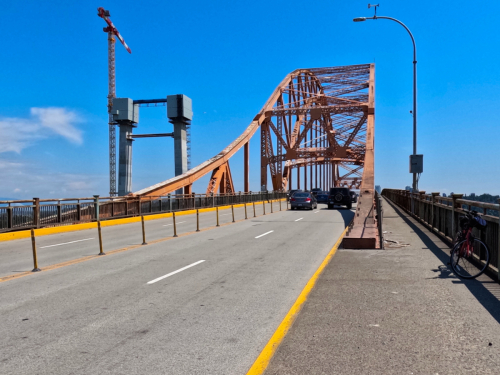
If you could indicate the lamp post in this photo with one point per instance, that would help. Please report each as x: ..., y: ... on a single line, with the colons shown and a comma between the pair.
x: 414, y: 112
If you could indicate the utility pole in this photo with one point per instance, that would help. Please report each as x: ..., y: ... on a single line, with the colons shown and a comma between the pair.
x: 112, y: 32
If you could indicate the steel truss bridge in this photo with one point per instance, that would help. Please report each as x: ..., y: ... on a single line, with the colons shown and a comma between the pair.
x: 316, y: 130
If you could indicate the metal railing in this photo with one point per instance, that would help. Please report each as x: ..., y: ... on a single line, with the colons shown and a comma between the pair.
x: 441, y: 215
x: 40, y: 213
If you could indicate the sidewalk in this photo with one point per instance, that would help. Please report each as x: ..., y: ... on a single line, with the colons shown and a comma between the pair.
x: 395, y: 311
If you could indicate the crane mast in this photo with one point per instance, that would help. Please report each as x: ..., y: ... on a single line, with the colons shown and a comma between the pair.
x: 112, y: 129
x: 112, y: 32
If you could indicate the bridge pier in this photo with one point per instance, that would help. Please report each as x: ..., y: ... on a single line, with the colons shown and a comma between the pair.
x: 125, y: 158
x: 180, y: 114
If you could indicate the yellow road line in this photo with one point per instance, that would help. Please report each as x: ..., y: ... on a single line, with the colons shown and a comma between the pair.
x: 90, y: 257
x: 262, y: 361
x: 106, y: 223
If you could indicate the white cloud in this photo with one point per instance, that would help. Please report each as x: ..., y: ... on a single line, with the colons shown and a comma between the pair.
x: 31, y: 179
x: 60, y: 121
x: 19, y: 133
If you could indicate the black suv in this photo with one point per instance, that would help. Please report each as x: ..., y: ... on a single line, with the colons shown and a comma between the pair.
x: 340, y: 197
x: 315, y: 191
x: 292, y: 192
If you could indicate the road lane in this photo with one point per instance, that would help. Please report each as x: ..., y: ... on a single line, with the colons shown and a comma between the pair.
x: 102, y: 317
x: 262, y: 235
x: 16, y: 256
x: 175, y: 272
x: 66, y: 243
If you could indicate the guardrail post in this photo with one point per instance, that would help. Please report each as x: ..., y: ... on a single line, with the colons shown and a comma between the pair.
x: 175, y: 226
x: 433, y: 201
x: 246, y: 216
x: 59, y: 212
x: 421, y: 204
x: 144, y: 231
x: 232, y: 211
x: 454, y: 205
x: 197, y: 220
x: 96, y: 207
x: 9, y: 217
x: 33, y: 246
x: 36, y: 212
x: 217, y: 214
x: 101, y: 252
x: 78, y: 211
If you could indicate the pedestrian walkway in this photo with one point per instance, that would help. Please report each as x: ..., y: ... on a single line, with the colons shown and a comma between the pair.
x: 395, y: 311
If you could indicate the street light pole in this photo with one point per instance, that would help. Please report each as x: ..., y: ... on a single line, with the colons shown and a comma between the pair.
x: 414, y: 112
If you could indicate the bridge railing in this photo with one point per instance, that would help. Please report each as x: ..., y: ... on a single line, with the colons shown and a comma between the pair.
x: 40, y: 213
x: 442, y: 216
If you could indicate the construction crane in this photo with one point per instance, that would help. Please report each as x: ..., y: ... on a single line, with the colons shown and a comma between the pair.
x: 112, y: 32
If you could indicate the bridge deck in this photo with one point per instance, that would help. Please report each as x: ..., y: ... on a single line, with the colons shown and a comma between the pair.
x: 395, y: 311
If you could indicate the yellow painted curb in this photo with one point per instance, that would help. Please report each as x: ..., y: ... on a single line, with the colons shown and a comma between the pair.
x: 262, y: 361
x: 106, y: 223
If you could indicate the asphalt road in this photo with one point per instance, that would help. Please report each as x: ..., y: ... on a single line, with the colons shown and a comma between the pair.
x: 117, y: 315
x: 16, y: 256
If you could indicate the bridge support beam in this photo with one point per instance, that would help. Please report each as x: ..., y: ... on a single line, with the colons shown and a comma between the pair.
x: 246, y: 158
x: 180, y: 149
x: 363, y: 233
x: 221, y: 179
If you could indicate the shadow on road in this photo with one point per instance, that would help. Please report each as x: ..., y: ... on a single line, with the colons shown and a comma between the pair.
x: 485, y: 289
x: 347, y: 215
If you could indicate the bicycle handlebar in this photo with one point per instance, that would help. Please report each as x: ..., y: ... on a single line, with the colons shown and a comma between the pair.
x: 471, y: 212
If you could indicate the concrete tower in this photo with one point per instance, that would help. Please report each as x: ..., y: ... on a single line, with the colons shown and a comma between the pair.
x: 126, y: 114
x: 180, y: 114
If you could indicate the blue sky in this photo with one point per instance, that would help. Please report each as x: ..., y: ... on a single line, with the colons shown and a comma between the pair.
x: 228, y: 57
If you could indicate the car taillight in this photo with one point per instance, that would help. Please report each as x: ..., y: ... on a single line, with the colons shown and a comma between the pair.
x: 308, y: 199
x: 292, y: 200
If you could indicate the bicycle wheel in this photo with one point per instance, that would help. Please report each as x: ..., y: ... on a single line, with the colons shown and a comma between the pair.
x: 470, y: 267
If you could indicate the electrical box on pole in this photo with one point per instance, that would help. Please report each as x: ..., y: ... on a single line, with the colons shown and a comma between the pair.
x: 416, y: 163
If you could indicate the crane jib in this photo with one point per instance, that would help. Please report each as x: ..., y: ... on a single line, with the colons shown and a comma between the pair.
x: 104, y: 15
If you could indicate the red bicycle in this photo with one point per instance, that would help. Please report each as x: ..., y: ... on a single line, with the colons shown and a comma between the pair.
x: 470, y: 256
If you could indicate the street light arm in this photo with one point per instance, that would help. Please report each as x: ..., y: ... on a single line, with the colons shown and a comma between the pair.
x: 414, y: 112
x: 407, y: 29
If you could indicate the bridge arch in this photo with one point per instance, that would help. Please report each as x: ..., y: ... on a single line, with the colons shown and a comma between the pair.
x: 316, y: 123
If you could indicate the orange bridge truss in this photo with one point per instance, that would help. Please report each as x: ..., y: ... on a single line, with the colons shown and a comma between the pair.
x: 318, y: 122
x: 316, y: 127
